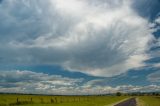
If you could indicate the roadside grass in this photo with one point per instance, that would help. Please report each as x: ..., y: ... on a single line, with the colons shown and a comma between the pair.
x: 34, y: 100
x: 114, y: 103
x: 148, y: 101
x: 140, y: 102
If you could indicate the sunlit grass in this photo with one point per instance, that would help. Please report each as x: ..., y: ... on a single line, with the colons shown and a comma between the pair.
x: 149, y: 100
x: 36, y: 100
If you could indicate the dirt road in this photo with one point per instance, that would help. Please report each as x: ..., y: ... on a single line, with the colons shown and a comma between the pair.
x: 129, y: 102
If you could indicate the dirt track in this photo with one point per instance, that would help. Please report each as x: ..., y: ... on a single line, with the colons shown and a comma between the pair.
x: 129, y: 102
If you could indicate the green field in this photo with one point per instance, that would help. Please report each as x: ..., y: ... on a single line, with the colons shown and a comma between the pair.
x: 149, y: 100
x: 36, y: 100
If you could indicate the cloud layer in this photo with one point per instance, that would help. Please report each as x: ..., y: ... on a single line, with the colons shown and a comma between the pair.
x: 39, y: 83
x: 32, y: 82
x: 154, y: 77
x: 100, y: 38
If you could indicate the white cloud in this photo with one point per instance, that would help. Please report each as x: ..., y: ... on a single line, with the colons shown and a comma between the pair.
x: 158, y: 20
x: 40, y: 83
x: 32, y: 82
x: 156, y: 24
x: 131, y: 88
x: 120, y: 88
x: 100, y: 38
x: 157, y: 65
x: 154, y: 77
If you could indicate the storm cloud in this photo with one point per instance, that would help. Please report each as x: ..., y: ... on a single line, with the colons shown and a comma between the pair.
x: 99, y: 38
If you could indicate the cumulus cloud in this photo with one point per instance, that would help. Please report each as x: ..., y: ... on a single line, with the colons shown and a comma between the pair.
x: 154, y: 77
x: 97, y: 88
x: 39, y: 83
x: 100, y: 38
x: 158, y: 20
x: 156, y: 24
x: 131, y: 88
x: 32, y: 82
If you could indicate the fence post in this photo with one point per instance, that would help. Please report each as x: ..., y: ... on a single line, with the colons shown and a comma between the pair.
x: 17, y: 100
x: 52, y: 100
x: 56, y: 100
x: 42, y: 100
x: 31, y: 99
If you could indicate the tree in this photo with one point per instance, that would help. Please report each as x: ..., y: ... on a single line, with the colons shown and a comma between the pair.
x: 118, y: 93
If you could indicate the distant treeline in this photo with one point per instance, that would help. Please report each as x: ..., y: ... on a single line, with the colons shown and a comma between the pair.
x: 111, y: 94
x: 138, y: 94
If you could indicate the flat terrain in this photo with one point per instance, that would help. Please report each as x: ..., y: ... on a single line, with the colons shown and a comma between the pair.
x: 42, y: 100
x: 149, y: 100
x: 37, y: 100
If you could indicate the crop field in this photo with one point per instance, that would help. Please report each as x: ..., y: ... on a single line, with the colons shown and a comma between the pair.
x: 37, y: 100
x: 149, y: 101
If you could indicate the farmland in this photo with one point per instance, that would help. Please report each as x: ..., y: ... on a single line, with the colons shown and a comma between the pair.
x: 149, y: 100
x: 44, y: 100
x: 34, y: 100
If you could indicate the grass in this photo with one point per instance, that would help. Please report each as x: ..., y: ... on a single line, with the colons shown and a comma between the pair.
x: 34, y: 100
x: 41, y: 100
x: 149, y: 100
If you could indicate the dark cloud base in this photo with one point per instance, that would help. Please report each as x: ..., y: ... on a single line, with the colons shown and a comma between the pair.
x: 113, y: 45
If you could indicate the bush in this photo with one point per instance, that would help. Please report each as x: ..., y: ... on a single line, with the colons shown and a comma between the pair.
x: 118, y: 93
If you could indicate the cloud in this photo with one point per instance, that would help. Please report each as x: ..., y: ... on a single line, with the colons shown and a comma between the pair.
x: 154, y: 77
x: 156, y: 24
x: 39, y: 83
x: 130, y: 88
x: 100, y: 38
x: 158, y: 20
x: 94, y: 87
x: 32, y: 82
x: 157, y: 65
x: 120, y: 88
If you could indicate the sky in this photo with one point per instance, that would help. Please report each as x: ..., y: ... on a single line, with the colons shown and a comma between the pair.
x: 70, y: 47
